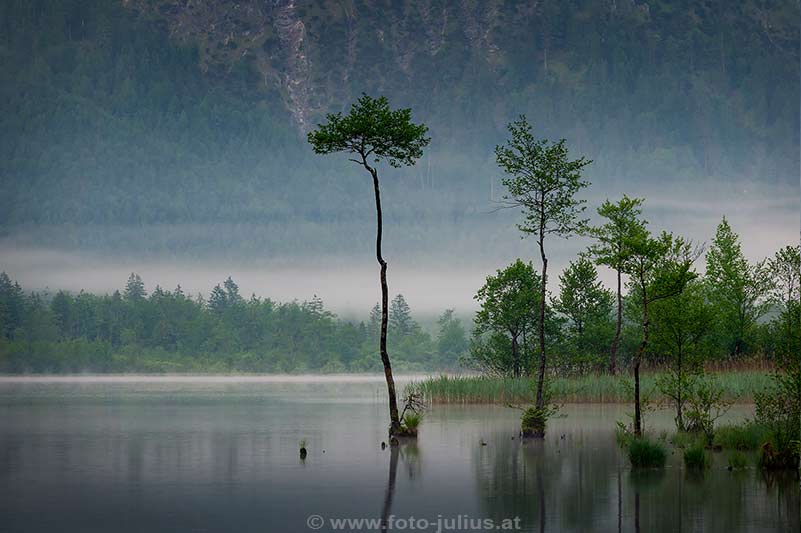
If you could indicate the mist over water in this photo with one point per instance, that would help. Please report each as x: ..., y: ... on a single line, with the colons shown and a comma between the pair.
x: 444, y: 273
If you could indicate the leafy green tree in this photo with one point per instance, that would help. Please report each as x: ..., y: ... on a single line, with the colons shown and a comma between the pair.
x: 543, y: 182
x: 622, y: 220
x: 508, y: 303
x: 680, y: 329
x: 737, y: 289
x: 785, y: 272
x: 779, y: 407
x: 372, y: 133
x: 587, y: 304
x: 658, y: 268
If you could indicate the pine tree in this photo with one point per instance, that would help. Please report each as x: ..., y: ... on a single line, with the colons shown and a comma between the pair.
x: 135, y: 288
x: 400, y: 317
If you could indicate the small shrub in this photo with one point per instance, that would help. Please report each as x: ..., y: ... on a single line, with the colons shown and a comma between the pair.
x: 644, y: 453
x: 410, y: 424
x: 707, y: 403
x: 737, y: 460
x: 411, y: 421
x: 695, y: 457
x: 533, y: 422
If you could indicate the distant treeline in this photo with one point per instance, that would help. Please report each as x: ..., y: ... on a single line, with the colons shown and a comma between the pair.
x: 170, y: 331
x: 738, y: 311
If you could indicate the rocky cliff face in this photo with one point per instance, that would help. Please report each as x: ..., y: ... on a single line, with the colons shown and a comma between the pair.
x: 318, y: 53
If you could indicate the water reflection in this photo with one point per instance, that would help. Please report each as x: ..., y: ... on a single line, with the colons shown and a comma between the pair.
x: 394, y: 453
x: 222, y: 457
x: 583, y: 482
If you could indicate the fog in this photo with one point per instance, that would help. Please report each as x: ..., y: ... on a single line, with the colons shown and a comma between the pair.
x: 455, y: 262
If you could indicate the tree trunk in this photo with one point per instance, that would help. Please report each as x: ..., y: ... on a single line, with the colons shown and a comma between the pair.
x: 543, y: 286
x: 394, y: 426
x: 515, y: 357
x: 618, y: 325
x: 679, y: 399
x: 637, y: 361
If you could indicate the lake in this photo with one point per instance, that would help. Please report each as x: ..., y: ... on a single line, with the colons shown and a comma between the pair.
x: 221, y: 454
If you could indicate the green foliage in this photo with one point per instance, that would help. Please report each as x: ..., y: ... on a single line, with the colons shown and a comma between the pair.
x: 778, y: 408
x: 451, y: 340
x: 508, y: 312
x: 533, y: 421
x: 645, y: 453
x: 659, y: 267
x: 412, y: 421
x: 595, y: 388
x: 746, y: 436
x: 168, y: 331
x: 622, y: 222
x: 736, y: 290
x: 706, y: 404
x: 785, y: 273
x: 374, y: 132
x: 587, y: 304
x: 695, y: 457
x: 542, y: 181
x: 400, y: 317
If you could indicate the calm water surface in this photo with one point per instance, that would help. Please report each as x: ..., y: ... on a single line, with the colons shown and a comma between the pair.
x: 221, y: 454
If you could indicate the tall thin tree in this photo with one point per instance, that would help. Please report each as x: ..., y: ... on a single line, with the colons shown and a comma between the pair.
x: 542, y: 181
x: 658, y: 268
x: 622, y: 221
x: 374, y: 133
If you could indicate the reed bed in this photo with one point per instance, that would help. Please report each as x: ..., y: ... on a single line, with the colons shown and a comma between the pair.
x: 592, y: 388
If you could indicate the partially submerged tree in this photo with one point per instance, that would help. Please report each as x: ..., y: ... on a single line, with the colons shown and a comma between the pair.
x: 507, y: 312
x: 542, y: 181
x: 373, y: 133
x: 658, y: 268
x: 622, y: 220
x: 681, y: 327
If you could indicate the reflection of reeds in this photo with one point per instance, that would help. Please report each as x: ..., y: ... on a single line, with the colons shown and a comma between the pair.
x: 592, y: 388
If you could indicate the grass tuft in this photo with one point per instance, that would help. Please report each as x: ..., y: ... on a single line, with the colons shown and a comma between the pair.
x: 737, y: 460
x: 644, y: 453
x: 695, y: 457
x: 411, y: 421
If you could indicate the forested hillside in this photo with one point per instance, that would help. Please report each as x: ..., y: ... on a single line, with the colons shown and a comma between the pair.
x: 177, y: 126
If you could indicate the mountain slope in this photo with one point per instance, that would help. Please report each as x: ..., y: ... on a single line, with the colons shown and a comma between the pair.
x: 177, y: 126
